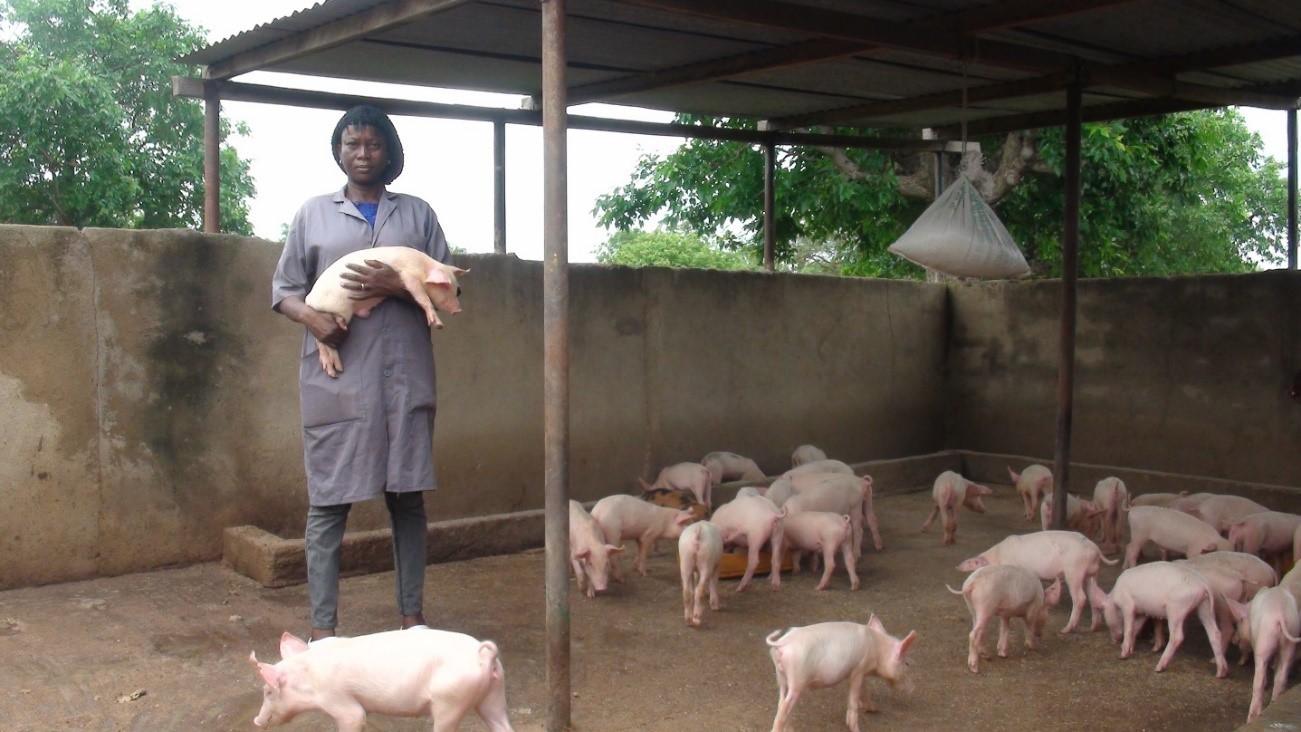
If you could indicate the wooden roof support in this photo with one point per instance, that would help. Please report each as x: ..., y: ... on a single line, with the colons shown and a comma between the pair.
x: 954, y: 45
x: 241, y: 92
x: 211, y: 158
x: 1215, y: 59
x: 1002, y: 15
x: 1070, y: 287
x: 1095, y: 113
x: 986, y: 93
x: 767, y: 59
x: 319, y: 38
x: 1291, y: 190
x: 853, y: 27
x: 555, y: 359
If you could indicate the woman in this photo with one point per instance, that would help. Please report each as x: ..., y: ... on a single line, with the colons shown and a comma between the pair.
x: 369, y: 431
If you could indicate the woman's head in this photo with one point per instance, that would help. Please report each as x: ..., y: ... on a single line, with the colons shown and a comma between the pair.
x: 357, y: 140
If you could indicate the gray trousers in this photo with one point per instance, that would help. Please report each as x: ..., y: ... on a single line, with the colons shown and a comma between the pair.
x: 324, y: 548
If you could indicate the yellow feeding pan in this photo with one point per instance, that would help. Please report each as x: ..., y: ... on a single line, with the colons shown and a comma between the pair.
x: 732, y: 565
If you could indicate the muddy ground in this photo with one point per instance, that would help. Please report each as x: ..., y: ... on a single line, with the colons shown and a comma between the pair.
x: 73, y: 655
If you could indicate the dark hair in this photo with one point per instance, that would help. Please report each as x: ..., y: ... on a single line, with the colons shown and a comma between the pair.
x: 368, y: 114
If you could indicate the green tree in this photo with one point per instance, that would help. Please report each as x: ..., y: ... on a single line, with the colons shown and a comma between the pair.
x: 90, y: 134
x: 1182, y: 193
x: 666, y: 249
x: 1179, y: 194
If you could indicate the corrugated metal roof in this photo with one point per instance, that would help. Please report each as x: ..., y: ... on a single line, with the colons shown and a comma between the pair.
x: 807, y: 61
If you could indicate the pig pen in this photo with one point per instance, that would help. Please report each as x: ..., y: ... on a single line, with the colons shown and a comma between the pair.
x: 168, y: 650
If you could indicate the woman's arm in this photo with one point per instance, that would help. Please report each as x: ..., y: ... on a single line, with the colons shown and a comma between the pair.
x: 322, y: 326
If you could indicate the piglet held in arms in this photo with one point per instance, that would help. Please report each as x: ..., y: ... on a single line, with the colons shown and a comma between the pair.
x: 432, y: 284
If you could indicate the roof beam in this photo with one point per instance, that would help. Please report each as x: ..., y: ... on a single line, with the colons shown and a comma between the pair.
x: 767, y: 59
x: 850, y: 26
x: 264, y: 94
x: 949, y: 44
x: 1057, y: 117
x: 986, y: 93
x: 341, y: 31
x: 1014, y: 13
x: 1219, y: 57
x: 1204, y: 96
x: 1097, y: 113
x: 1002, y: 15
x: 1122, y: 75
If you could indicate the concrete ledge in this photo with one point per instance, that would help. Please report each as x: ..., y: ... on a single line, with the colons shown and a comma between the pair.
x: 1284, y: 714
x: 910, y: 474
x: 277, y: 562
x: 894, y: 476
x: 992, y: 468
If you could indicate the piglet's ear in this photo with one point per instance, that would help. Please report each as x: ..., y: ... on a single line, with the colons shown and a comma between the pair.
x: 270, y: 674
x: 291, y: 645
x: 437, y: 276
x: 907, y: 642
x: 875, y: 624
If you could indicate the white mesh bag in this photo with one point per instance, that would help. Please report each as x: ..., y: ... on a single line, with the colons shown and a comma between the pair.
x: 960, y: 235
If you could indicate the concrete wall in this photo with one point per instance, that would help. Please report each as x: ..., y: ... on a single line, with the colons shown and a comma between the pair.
x: 149, y: 394
x: 1182, y: 375
x: 150, y: 400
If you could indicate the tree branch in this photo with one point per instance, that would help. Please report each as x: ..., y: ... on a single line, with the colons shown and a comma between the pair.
x: 1018, y: 155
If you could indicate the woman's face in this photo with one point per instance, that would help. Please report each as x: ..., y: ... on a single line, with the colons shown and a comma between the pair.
x: 363, y: 151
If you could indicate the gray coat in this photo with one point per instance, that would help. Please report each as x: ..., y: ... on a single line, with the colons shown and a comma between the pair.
x: 371, y: 429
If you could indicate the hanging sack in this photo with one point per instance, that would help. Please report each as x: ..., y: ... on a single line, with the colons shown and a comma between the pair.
x: 960, y: 235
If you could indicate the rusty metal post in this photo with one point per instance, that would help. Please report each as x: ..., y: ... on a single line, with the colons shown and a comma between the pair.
x: 1291, y: 189
x: 555, y: 366
x: 499, y: 186
x: 769, y: 204
x: 1070, y: 277
x: 211, y: 158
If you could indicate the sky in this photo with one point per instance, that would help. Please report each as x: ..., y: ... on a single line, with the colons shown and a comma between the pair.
x: 448, y: 162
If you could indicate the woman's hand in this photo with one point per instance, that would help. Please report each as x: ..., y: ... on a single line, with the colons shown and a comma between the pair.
x: 322, y: 326
x: 374, y: 279
x: 325, y: 328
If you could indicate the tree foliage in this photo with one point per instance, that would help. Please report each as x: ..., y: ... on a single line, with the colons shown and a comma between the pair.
x: 1182, y: 193
x: 90, y: 134
x: 666, y: 249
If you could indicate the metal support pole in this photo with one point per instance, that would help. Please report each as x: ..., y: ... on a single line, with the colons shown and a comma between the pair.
x: 499, y: 186
x: 769, y: 204
x: 211, y: 158
x: 1291, y: 189
x: 555, y: 365
x: 1070, y: 276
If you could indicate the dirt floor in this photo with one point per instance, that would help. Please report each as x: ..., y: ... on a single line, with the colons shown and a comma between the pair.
x: 168, y: 650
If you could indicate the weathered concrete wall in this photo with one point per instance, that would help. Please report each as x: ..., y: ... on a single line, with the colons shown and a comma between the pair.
x: 150, y: 394
x: 150, y: 400
x: 1182, y: 375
